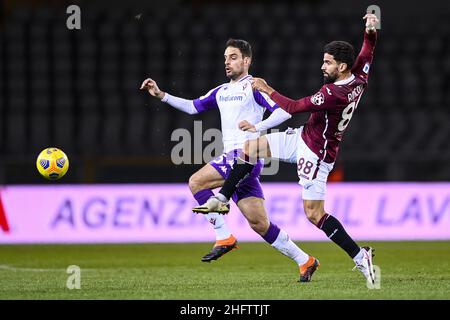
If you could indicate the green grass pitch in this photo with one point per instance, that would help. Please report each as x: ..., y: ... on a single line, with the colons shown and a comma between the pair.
x: 409, y: 270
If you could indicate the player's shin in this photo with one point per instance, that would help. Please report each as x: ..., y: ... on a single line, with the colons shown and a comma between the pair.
x: 336, y: 232
x: 215, y: 219
x: 240, y: 171
x: 279, y: 239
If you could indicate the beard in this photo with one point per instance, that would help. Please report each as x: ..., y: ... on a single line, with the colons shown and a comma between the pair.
x: 231, y: 76
x: 234, y: 75
x: 329, y: 78
x: 236, y: 72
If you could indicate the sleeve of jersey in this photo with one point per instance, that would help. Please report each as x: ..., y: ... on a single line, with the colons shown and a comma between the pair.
x: 278, y: 116
x: 264, y: 101
x: 365, y: 57
x: 207, y: 102
x: 180, y: 103
x: 324, y: 99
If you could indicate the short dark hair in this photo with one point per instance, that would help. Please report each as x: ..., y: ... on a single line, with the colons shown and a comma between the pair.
x: 242, y: 45
x: 342, y: 52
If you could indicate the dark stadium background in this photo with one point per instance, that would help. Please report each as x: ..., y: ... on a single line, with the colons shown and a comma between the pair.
x: 78, y: 89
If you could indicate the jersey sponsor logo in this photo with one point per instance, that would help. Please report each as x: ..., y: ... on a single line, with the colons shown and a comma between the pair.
x: 236, y: 97
x: 317, y: 99
x: 230, y: 98
x: 366, y: 68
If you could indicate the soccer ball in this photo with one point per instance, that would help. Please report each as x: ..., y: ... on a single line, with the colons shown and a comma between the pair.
x: 52, y: 163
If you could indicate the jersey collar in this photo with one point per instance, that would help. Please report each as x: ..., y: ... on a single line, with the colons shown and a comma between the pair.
x: 246, y: 77
x: 345, y: 81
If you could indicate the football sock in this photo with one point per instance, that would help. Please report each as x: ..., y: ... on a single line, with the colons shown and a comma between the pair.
x: 239, y: 172
x: 336, y: 232
x: 214, y: 218
x: 279, y: 239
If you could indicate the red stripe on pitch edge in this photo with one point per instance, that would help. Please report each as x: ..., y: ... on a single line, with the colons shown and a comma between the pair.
x: 3, y: 222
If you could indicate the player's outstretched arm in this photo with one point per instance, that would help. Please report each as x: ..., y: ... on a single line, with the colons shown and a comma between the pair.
x: 365, y: 56
x: 289, y: 105
x: 178, y: 103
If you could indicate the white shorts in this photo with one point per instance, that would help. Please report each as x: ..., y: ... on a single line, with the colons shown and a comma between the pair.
x: 289, y: 146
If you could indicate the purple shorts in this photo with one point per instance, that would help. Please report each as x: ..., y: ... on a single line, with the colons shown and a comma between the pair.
x: 250, y: 186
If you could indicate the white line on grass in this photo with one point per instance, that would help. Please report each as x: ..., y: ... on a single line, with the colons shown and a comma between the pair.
x: 16, y: 269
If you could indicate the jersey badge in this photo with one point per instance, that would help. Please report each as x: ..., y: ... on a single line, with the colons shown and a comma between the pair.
x: 318, y: 99
x: 366, y: 68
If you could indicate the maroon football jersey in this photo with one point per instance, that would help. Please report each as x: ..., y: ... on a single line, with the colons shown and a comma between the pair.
x: 332, y: 106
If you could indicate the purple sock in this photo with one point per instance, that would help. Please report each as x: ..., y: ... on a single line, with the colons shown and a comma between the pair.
x: 272, y: 234
x: 203, y: 195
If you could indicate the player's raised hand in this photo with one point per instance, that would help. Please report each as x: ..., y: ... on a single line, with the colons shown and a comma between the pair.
x: 261, y: 85
x: 371, y: 22
x: 152, y: 88
x: 244, y: 125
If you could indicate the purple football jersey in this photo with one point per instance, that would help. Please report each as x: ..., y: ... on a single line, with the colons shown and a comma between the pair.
x: 332, y: 106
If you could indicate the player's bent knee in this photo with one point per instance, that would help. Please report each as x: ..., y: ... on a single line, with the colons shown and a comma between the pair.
x: 313, y: 213
x: 251, y: 149
x: 248, y: 148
